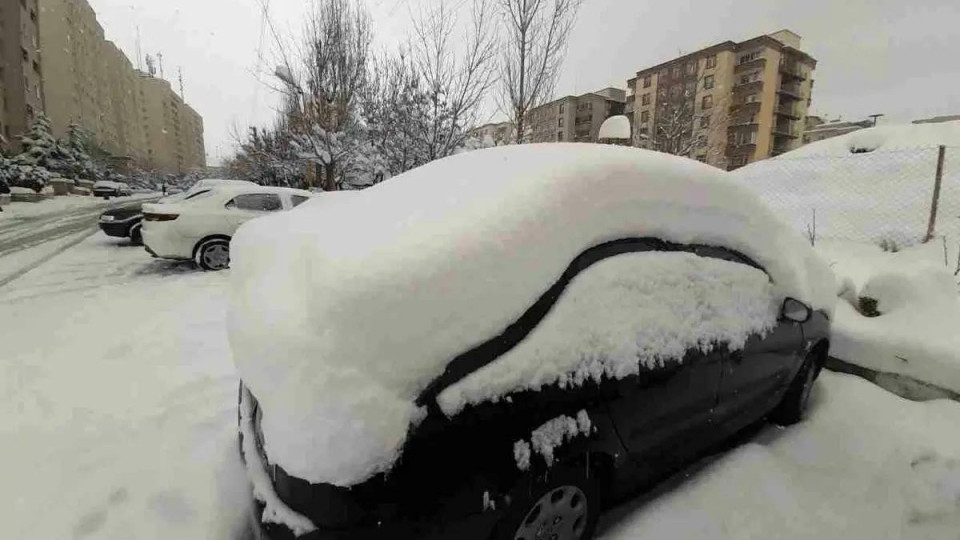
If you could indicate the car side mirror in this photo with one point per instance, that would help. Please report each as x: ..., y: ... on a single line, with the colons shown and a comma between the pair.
x: 795, y: 310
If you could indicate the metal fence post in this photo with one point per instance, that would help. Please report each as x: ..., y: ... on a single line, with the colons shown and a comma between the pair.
x: 932, y: 224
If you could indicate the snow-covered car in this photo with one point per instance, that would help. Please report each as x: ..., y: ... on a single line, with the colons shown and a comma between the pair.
x: 108, y: 188
x: 200, y: 226
x: 501, y: 343
x: 176, y: 194
x: 123, y: 222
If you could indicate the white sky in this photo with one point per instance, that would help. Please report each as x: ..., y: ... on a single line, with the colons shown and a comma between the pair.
x: 875, y: 56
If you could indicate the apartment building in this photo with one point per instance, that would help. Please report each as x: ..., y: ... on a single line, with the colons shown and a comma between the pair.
x: 576, y: 118
x: 728, y: 104
x: 89, y: 81
x: 21, y: 69
x: 497, y: 132
x: 172, y: 129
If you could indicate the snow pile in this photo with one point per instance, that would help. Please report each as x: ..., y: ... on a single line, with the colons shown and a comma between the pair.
x: 274, y: 510
x: 521, y: 454
x: 895, y: 291
x: 330, y: 298
x: 865, y: 465
x: 916, y: 334
x: 553, y: 433
x: 615, y: 127
x: 883, y: 138
x: 627, y: 312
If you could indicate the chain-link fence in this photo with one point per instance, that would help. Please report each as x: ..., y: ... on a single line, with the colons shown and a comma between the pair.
x: 880, y: 196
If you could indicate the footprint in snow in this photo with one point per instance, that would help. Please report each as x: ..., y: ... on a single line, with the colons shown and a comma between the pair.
x: 933, y: 492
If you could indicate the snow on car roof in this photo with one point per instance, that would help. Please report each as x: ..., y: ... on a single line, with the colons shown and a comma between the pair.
x: 346, y: 307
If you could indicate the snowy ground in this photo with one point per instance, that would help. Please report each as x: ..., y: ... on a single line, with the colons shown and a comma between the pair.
x: 916, y: 335
x: 118, y: 408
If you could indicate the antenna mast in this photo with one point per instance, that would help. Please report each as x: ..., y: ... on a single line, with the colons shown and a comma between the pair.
x: 139, y: 54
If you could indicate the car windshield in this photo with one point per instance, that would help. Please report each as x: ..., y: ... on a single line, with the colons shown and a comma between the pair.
x: 588, y: 246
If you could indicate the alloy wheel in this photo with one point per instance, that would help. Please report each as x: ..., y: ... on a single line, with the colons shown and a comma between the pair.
x: 216, y: 256
x: 561, y: 514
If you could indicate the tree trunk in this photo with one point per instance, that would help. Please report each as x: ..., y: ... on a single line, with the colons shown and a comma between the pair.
x: 329, y: 177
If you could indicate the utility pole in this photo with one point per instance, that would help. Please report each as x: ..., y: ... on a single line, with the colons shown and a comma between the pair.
x: 180, y: 77
x: 160, y: 61
x: 139, y: 54
x: 875, y: 117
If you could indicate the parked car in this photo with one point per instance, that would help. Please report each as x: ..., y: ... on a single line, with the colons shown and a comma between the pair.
x: 501, y: 344
x: 123, y: 222
x: 107, y: 189
x: 123, y: 189
x: 200, y: 226
x: 176, y: 194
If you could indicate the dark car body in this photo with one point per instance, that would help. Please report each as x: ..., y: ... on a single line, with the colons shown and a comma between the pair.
x: 122, y: 222
x: 456, y: 477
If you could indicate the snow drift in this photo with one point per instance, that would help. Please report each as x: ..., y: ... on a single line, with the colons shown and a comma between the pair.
x: 346, y: 307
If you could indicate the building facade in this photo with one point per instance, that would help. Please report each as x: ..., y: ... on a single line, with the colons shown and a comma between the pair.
x: 89, y: 81
x: 21, y: 69
x: 576, y: 118
x: 729, y: 104
x: 497, y: 132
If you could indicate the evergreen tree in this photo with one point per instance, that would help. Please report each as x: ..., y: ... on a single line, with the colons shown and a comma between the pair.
x: 39, y: 146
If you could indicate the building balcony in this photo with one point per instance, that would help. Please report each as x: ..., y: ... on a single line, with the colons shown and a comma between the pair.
x: 786, y: 111
x: 752, y: 86
x: 791, y: 71
x: 745, y: 108
x: 790, y: 91
x: 783, y: 132
x: 779, y: 149
x: 750, y: 64
x: 740, y: 149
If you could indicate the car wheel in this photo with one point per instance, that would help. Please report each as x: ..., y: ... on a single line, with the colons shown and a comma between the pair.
x: 136, y: 237
x: 794, y: 405
x: 214, y: 254
x: 565, y: 505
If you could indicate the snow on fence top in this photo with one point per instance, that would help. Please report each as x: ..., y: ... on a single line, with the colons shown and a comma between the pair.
x: 346, y: 307
x: 615, y: 127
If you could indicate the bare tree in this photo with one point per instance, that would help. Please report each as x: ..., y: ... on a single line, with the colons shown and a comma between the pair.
x: 455, y: 83
x: 533, y: 51
x: 336, y: 55
x: 684, y: 126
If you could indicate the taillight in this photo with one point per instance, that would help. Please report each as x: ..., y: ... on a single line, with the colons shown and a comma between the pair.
x: 160, y: 217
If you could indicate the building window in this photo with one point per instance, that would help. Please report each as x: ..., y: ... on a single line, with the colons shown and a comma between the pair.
x: 706, y: 102
x: 708, y: 82
x: 691, y: 68
x: 664, y: 74
x: 645, y: 99
x: 711, y: 62
x: 645, y: 116
x: 560, y: 122
x: 24, y: 54
x: 559, y: 135
x: 752, y: 98
x: 676, y: 71
x: 748, y: 57
x: 561, y: 108
x: 690, y: 88
x: 704, y: 121
x: 675, y: 91
x: 647, y: 81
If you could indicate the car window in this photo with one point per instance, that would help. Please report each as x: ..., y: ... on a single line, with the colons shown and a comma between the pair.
x: 258, y: 202
x: 298, y: 200
x: 625, y: 313
x: 198, y: 195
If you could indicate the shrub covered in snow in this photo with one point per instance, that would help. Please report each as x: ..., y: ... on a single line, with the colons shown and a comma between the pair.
x: 344, y: 309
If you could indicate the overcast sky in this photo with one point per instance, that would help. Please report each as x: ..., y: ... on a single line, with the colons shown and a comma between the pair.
x: 874, y: 56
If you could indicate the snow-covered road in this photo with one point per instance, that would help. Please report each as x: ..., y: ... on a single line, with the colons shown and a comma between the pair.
x: 118, y: 404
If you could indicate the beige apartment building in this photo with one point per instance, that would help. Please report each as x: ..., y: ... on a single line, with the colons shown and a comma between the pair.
x: 576, y: 118
x: 729, y: 104
x: 88, y: 80
x: 21, y: 69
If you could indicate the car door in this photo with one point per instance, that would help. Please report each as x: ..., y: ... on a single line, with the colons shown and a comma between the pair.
x: 754, y: 377
x: 664, y: 412
x: 247, y: 206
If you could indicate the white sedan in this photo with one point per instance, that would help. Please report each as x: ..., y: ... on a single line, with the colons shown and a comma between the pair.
x: 199, y: 227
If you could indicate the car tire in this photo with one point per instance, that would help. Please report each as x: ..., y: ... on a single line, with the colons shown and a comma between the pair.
x: 214, y: 254
x: 562, y: 503
x: 136, y: 236
x: 794, y: 404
